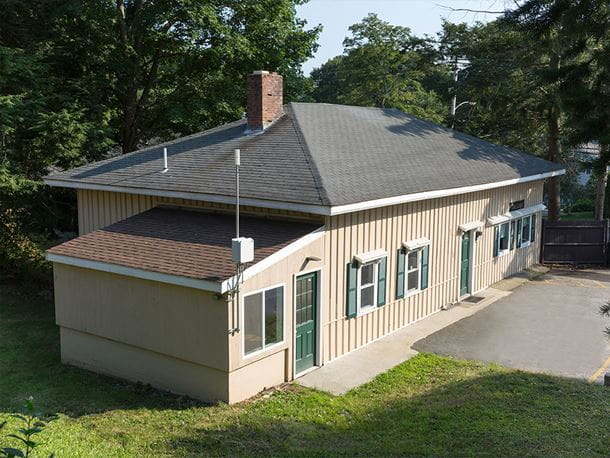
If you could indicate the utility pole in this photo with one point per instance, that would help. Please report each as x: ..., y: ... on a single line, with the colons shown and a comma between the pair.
x: 454, y: 90
x: 454, y: 104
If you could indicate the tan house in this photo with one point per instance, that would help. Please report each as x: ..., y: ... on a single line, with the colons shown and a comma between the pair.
x: 364, y: 220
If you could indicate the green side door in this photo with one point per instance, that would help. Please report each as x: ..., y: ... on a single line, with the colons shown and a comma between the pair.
x: 465, y: 265
x: 306, y: 297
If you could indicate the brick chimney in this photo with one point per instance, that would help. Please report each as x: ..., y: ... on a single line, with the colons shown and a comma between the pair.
x: 265, y: 99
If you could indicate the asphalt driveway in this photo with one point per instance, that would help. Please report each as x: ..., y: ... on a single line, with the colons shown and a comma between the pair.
x: 549, y: 325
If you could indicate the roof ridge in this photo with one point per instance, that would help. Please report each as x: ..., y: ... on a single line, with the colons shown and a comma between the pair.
x: 308, y: 157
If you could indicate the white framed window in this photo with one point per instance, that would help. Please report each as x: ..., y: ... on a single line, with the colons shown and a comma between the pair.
x: 413, y: 276
x: 526, y: 232
x: 367, y: 286
x: 502, y: 241
x: 366, y: 282
x: 263, y: 319
x: 514, y: 233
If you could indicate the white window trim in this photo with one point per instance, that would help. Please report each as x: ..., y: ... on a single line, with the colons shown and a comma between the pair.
x: 471, y: 226
x: 370, y: 256
x: 504, y: 252
x: 419, y: 245
x: 529, y: 241
x: 413, y: 292
x: 370, y: 308
x: 412, y: 245
x: 517, y: 233
x: 516, y: 214
x: 243, y: 321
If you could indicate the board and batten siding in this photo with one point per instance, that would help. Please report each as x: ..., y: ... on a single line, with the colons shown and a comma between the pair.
x: 387, y: 228
x: 97, y: 209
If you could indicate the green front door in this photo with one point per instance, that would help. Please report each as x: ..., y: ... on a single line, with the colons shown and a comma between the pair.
x: 306, y: 297
x: 465, y: 265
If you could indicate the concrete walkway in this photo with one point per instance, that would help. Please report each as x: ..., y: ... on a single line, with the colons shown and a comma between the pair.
x: 362, y: 365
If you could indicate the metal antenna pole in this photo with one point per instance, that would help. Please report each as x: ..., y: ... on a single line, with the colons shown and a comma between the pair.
x: 237, y: 163
x: 238, y: 267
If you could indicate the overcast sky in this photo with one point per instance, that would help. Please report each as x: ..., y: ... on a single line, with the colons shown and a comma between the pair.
x: 421, y: 16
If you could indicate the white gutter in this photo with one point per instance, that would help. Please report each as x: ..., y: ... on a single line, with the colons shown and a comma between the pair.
x: 305, y: 208
x: 338, y: 210
x: 137, y: 273
x: 278, y: 205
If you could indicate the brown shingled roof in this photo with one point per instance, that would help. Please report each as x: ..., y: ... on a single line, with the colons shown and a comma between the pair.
x: 180, y: 242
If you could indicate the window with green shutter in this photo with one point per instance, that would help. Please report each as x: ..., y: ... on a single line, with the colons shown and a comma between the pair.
x: 352, y: 289
x: 425, y: 255
x: 366, y: 285
x: 382, y: 271
x: 413, y: 271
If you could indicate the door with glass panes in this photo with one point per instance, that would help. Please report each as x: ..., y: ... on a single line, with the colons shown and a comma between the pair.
x: 306, y: 299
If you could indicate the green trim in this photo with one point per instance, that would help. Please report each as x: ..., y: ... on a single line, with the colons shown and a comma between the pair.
x: 352, y: 289
x: 381, y: 281
x: 425, y: 254
x: 400, y: 274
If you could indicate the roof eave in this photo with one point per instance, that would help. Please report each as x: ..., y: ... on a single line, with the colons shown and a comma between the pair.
x: 217, y: 198
x: 415, y: 197
x: 178, y: 280
x: 301, y: 207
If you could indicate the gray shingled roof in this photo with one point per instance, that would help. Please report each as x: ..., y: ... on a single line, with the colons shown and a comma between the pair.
x: 318, y: 154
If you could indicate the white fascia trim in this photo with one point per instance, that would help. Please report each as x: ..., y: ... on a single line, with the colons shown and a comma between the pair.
x: 137, y: 273
x: 415, y: 244
x: 257, y: 268
x: 305, y: 208
x: 369, y: 256
x: 493, y: 220
x: 471, y: 226
x: 337, y: 210
x: 262, y: 203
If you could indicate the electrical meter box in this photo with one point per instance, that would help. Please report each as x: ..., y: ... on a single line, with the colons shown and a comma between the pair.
x: 243, y: 250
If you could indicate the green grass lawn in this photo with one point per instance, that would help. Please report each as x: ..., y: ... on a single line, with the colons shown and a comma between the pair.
x: 575, y: 216
x: 426, y: 406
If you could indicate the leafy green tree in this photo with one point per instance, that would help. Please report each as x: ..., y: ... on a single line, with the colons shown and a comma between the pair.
x: 384, y: 66
x: 82, y: 80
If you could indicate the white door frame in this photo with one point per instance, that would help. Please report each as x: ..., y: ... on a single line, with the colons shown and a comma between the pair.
x: 471, y: 261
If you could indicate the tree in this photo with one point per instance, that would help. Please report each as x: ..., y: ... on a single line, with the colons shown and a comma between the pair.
x: 384, y: 66
x: 123, y: 72
x: 580, y: 30
x: 82, y: 80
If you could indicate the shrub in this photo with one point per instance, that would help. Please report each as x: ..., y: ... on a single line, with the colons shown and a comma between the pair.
x: 583, y: 205
x: 33, y: 424
x: 21, y: 254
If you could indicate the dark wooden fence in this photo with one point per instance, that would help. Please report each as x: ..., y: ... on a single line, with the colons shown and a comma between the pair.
x: 575, y: 242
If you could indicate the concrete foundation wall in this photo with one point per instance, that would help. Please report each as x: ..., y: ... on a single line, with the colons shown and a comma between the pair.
x: 136, y: 364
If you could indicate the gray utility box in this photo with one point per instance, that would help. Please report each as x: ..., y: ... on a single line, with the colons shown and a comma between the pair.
x: 243, y: 250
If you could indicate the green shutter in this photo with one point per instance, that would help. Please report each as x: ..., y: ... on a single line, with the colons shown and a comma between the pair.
x: 513, y: 233
x: 425, y: 254
x: 352, y: 289
x: 519, y: 232
x: 496, y: 240
x: 400, y: 274
x: 533, y: 228
x: 381, y: 281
